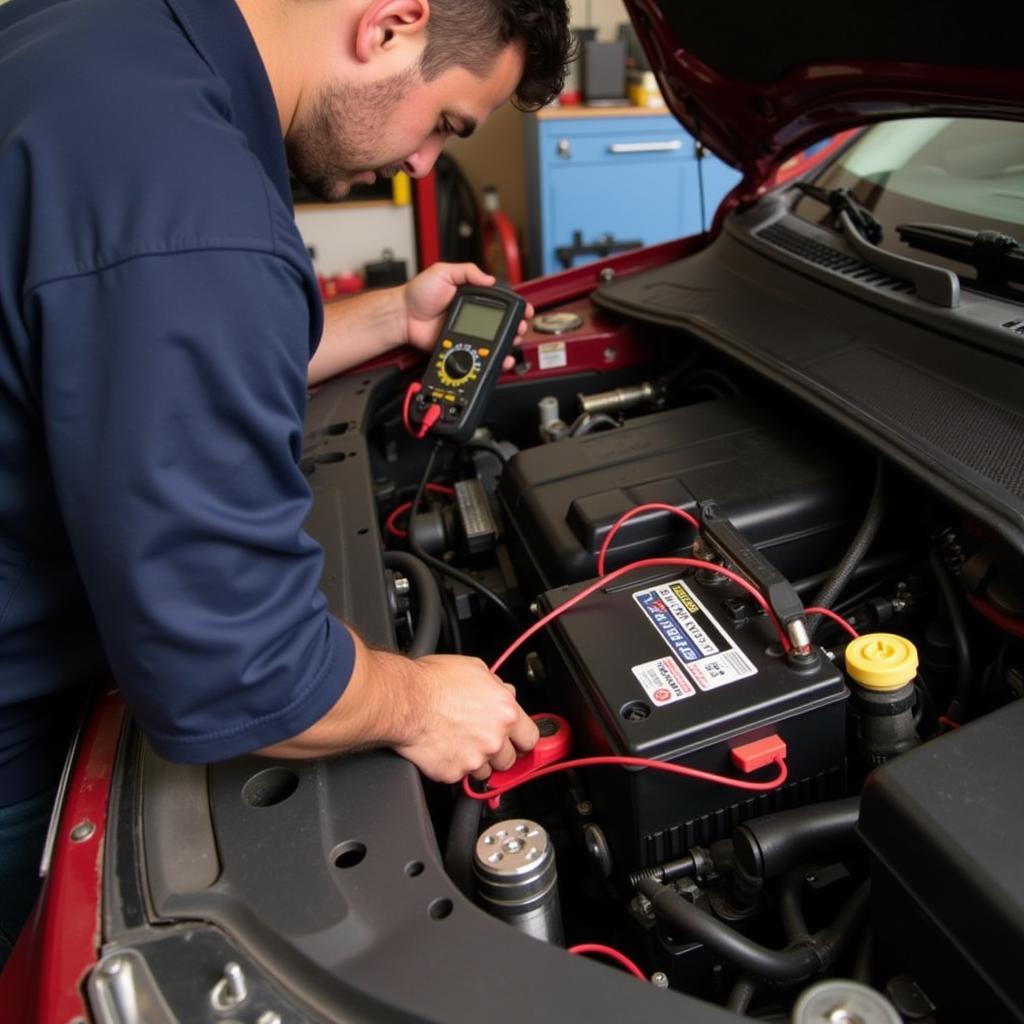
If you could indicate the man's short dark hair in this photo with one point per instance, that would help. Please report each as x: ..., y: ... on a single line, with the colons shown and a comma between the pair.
x: 470, y: 34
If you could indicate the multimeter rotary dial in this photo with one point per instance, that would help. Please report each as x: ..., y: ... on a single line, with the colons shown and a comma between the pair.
x: 458, y: 365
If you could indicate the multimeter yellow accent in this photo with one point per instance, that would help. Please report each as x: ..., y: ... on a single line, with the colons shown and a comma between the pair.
x: 480, y: 329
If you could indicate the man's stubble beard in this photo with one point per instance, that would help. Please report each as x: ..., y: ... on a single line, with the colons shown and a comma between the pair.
x: 342, y: 135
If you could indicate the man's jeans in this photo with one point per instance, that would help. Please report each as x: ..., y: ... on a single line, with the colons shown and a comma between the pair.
x: 22, y: 834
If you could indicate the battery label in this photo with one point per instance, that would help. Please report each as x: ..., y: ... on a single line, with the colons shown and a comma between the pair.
x: 707, y: 654
x: 663, y: 681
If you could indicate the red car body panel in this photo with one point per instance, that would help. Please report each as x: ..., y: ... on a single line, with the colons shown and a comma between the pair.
x: 757, y: 125
x: 42, y: 982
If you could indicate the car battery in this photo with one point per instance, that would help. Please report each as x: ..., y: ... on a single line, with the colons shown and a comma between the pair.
x: 679, y: 667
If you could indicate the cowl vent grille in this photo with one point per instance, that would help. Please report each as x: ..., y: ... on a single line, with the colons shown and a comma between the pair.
x: 821, y: 255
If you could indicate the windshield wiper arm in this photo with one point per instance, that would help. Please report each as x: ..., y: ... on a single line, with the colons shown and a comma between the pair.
x: 842, y: 200
x: 998, y: 258
x: 863, y: 232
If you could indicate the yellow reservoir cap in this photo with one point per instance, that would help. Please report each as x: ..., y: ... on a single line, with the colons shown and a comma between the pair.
x: 881, y: 661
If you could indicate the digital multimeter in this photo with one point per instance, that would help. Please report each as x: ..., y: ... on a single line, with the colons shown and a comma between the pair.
x: 478, y: 333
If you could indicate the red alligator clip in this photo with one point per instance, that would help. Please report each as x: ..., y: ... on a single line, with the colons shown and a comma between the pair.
x: 554, y: 744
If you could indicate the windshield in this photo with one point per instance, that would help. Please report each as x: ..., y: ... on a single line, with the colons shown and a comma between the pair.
x: 957, y: 171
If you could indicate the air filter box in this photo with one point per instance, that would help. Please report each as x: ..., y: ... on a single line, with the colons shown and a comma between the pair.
x: 677, y: 669
x: 945, y: 830
x: 791, y: 491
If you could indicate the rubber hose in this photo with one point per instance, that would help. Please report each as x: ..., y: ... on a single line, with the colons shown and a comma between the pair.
x: 857, y: 550
x: 769, y: 846
x: 816, y: 954
x: 742, y: 994
x: 428, y: 601
x: 832, y: 941
x: 962, y: 688
x: 459, y: 849
x: 683, y: 917
x: 794, y: 924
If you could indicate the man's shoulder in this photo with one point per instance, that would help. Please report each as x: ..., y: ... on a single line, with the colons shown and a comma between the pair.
x: 132, y: 133
x: 62, y: 49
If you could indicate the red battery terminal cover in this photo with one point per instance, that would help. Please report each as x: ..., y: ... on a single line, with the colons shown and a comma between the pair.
x: 554, y: 745
x: 759, y: 754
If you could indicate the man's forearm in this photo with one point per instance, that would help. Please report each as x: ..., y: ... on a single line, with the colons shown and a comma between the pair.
x: 357, y: 329
x: 375, y: 710
x: 447, y: 714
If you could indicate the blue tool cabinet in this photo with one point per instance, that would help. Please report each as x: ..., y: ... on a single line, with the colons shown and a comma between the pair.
x: 602, y: 180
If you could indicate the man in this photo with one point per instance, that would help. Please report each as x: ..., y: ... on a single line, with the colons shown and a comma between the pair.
x: 157, y: 315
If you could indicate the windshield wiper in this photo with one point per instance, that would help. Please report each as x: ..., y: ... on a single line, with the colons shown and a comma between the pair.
x: 863, y: 232
x: 998, y: 258
x: 842, y: 200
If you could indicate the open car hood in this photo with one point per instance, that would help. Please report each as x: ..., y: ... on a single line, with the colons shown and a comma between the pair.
x: 757, y: 84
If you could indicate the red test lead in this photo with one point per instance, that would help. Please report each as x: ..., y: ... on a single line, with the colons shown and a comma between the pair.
x: 430, y: 416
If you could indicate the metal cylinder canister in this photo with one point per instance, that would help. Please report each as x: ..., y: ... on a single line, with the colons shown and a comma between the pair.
x: 839, y: 1001
x: 618, y: 400
x: 881, y: 668
x: 516, y: 878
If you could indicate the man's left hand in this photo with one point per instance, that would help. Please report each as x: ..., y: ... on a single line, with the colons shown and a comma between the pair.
x: 429, y: 294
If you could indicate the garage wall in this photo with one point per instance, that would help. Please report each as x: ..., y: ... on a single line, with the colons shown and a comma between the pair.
x: 346, y: 236
x: 494, y: 155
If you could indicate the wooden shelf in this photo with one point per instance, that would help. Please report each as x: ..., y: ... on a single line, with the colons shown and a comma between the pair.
x: 581, y: 113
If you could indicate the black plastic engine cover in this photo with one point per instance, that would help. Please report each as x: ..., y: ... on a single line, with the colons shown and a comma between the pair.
x: 792, y: 497
x: 945, y: 828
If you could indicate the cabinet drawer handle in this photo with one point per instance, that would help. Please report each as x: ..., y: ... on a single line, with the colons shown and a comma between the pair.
x: 669, y: 146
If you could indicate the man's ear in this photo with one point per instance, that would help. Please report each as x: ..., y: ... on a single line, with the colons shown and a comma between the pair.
x: 388, y: 23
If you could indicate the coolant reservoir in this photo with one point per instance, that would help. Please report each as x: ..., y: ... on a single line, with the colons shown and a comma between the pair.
x: 881, y: 669
x: 881, y: 662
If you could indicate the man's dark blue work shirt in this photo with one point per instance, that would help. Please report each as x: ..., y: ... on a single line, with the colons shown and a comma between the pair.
x: 157, y: 313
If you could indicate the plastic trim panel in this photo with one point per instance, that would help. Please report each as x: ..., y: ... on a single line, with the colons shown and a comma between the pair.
x: 936, y: 391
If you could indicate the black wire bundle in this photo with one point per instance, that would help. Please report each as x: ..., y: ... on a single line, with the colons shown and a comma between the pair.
x: 443, y: 567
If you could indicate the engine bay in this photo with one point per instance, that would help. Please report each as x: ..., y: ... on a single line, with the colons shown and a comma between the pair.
x: 678, y: 664
x: 767, y: 659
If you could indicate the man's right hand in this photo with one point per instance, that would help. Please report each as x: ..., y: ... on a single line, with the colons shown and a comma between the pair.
x: 470, y: 723
x: 447, y: 714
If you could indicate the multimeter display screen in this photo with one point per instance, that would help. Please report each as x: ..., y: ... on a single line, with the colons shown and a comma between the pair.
x: 478, y: 321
